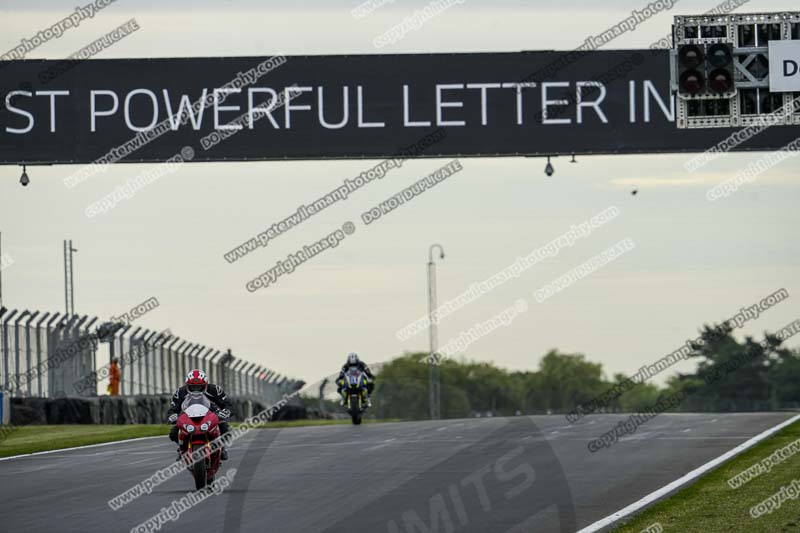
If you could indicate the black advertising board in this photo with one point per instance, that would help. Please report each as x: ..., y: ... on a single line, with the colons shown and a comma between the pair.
x: 362, y: 106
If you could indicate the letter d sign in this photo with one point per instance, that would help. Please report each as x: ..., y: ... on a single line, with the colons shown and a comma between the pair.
x: 784, y: 72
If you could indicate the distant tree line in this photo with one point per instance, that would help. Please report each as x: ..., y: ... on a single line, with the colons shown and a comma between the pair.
x: 730, y: 376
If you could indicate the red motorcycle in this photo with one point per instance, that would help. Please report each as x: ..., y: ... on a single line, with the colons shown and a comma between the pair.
x: 198, y: 426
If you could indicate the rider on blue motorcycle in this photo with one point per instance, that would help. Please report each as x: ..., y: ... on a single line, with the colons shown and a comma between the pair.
x: 354, y: 361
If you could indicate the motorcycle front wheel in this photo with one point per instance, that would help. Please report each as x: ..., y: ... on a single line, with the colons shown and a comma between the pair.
x: 199, y: 473
x: 355, y: 409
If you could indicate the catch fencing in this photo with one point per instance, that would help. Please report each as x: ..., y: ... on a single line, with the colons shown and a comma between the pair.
x: 50, y: 355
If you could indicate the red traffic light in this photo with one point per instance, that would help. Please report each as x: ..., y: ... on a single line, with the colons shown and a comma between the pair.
x: 692, y: 82
x: 720, y: 81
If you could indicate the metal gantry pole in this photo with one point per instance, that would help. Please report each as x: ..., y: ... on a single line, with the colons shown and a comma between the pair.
x: 434, y: 391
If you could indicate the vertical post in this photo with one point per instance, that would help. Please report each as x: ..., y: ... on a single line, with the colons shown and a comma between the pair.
x: 227, y: 370
x: 144, y: 353
x: 28, y: 360
x: 2, y: 350
x: 434, y: 398
x: 25, y: 313
x: 172, y: 364
x: 208, y: 362
x: 131, y: 357
x: 239, y: 378
x: 180, y: 364
x: 69, y: 286
x: 321, y: 395
x: 161, y: 363
x: 246, y: 378
x: 112, y: 353
x: 198, y: 362
x: 39, y: 375
x: 211, y: 368
x: 50, y: 347
x: 5, y: 348
x: 260, y: 382
x: 1, y: 272
x: 254, y: 380
x: 66, y: 282
x: 205, y: 361
x: 125, y: 366
x: 230, y: 374
x: 186, y: 356
x: 71, y: 279
x: 87, y: 360
x: 152, y: 358
x: 215, y: 365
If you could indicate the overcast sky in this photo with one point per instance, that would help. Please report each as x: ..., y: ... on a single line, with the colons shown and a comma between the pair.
x: 694, y: 262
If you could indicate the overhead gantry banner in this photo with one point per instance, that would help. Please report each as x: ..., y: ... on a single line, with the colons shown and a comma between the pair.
x: 364, y: 106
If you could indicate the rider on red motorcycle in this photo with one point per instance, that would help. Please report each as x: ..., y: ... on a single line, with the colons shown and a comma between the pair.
x: 354, y: 361
x: 197, y: 381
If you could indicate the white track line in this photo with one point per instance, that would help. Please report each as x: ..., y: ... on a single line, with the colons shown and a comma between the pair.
x: 691, y: 476
x: 78, y: 447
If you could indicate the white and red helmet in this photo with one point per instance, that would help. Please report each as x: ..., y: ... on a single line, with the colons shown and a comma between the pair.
x: 196, y: 381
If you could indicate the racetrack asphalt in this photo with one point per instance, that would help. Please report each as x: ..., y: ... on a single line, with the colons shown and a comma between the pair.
x: 505, y: 475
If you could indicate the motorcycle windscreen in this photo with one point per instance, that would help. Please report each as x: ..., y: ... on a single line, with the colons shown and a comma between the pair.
x: 353, y: 379
x: 195, y: 399
x: 196, y: 411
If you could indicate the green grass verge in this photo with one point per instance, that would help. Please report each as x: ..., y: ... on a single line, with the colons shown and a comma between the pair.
x: 710, y: 505
x: 29, y: 439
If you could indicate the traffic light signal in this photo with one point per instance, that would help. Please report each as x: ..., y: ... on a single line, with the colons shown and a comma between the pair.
x: 720, y: 66
x: 705, y: 70
x: 691, y: 80
x: 720, y: 69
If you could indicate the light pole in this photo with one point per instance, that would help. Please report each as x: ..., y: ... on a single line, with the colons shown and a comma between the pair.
x: 434, y: 399
x: 69, y: 287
